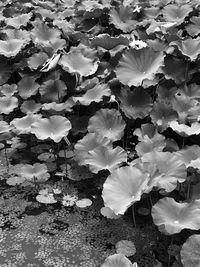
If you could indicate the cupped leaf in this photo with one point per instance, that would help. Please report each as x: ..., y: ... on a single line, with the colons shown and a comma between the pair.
x: 37, y: 60
x: 105, y: 42
x: 77, y: 61
x: 102, y: 158
x: 162, y: 114
x: 23, y: 125
x: 27, y: 87
x: 176, y: 13
x: 194, y: 28
x: 188, y: 154
x: 30, y: 106
x: 172, y: 217
x: 55, y: 128
x: 53, y: 90
x: 138, y: 65
x: 185, y: 130
x: 175, y: 68
x: 11, y: 47
x: 136, y: 103
x: 8, y: 104
x: 44, y: 35
x: 88, y: 143
x: 95, y: 94
x: 189, y: 47
x: 122, y: 18
x: 107, y: 123
x: 165, y: 170
x: 18, y: 21
x: 124, y: 187
x: 8, y: 89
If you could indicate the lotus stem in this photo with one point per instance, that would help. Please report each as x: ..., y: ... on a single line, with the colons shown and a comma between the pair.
x: 7, y: 162
x: 133, y: 214
x: 169, y: 258
x: 188, y: 190
x: 150, y: 200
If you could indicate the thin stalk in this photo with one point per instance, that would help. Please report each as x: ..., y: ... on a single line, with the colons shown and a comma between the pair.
x: 188, y: 190
x: 150, y: 200
x: 7, y: 162
x: 169, y: 258
x: 133, y: 215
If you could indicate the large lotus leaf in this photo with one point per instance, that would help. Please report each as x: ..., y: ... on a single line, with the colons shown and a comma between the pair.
x: 165, y: 170
x: 8, y: 104
x: 122, y: 18
x: 105, y: 42
x: 28, y: 87
x: 18, y: 21
x: 162, y: 113
x: 188, y: 154
x: 135, y: 104
x: 55, y: 127
x: 102, y: 158
x: 8, y: 89
x: 176, y: 13
x: 157, y: 143
x: 107, y: 123
x: 194, y: 28
x: 43, y: 35
x: 37, y: 170
x: 11, y: 47
x: 30, y: 106
x: 117, y: 260
x: 184, y: 106
x: 138, y: 65
x: 17, y: 34
x: 192, y: 91
x: 172, y: 217
x: 53, y: 90
x: 76, y: 62
x: 23, y: 125
x: 67, y: 105
x: 189, y: 47
x: 124, y: 187
x: 175, y: 68
x: 94, y: 95
x: 88, y: 143
x: 185, y: 130
x: 146, y: 129
x: 190, y: 252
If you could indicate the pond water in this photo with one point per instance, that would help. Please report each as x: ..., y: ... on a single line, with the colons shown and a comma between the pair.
x: 34, y: 234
